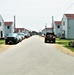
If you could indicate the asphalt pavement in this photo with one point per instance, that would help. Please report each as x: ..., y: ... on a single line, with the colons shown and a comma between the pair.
x: 34, y: 57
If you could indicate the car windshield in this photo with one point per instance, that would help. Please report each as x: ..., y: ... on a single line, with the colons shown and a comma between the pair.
x: 12, y: 34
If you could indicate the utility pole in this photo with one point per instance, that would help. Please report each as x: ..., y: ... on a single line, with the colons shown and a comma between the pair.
x: 14, y: 23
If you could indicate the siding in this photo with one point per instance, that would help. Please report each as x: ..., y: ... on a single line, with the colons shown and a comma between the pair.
x: 64, y: 27
x: 71, y: 29
x: 10, y: 30
x: 68, y: 27
x: 44, y: 31
x: 57, y: 31
x: 2, y: 27
x: 7, y: 30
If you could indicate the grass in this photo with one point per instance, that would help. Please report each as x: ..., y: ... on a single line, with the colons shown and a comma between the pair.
x: 64, y: 42
x: 71, y: 48
x: 2, y: 41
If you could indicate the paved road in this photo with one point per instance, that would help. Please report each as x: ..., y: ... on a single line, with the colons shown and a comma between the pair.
x: 33, y: 57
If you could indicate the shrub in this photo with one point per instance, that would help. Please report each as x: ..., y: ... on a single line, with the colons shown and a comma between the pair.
x: 71, y: 43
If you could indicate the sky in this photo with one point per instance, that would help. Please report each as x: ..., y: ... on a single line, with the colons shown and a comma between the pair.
x: 35, y: 14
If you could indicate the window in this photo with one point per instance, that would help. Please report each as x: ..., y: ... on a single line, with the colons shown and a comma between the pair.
x: 0, y: 23
x: 58, y: 26
x: 8, y: 27
x: 63, y: 23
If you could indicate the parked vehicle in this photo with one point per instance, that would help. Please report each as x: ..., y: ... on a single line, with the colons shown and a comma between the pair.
x: 20, y: 38
x: 22, y: 35
x: 26, y: 35
x: 12, y: 38
x: 50, y: 37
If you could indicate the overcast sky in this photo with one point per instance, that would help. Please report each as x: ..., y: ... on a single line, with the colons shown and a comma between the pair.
x: 34, y: 14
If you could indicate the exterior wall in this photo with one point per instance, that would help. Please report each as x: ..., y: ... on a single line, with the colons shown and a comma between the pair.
x: 57, y: 31
x: 10, y: 30
x: 64, y: 27
x: 71, y: 29
x: 1, y: 27
x: 46, y: 30
x: 7, y: 30
x: 68, y: 27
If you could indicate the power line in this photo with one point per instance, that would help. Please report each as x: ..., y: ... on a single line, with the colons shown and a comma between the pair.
x: 66, y: 9
x: 69, y: 7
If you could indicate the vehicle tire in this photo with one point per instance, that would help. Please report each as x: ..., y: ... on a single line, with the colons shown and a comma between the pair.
x: 53, y: 41
x: 16, y: 42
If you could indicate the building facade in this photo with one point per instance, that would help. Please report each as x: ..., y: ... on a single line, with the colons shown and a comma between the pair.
x: 68, y: 26
x: 57, y: 28
x: 8, y: 28
x: 1, y: 27
x: 19, y: 30
x: 44, y: 31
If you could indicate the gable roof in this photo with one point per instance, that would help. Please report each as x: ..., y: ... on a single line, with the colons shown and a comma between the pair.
x: 69, y: 16
x: 8, y: 23
x: 19, y: 28
x: 1, y: 18
x: 48, y: 28
x: 58, y: 22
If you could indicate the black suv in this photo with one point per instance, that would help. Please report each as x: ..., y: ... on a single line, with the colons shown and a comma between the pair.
x: 12, y: 38
x: 50, y: 37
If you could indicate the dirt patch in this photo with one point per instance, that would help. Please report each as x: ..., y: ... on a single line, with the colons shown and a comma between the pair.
x: 4, y: 47
x: 63, y: 49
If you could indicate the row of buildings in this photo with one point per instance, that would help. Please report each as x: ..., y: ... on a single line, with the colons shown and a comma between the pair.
x: 8, y: 27
x: 63, y: 28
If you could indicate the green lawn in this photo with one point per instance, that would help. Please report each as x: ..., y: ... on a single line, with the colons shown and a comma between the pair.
x: 2, y: 41
x: 64, y: 42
